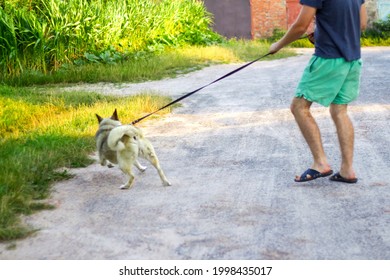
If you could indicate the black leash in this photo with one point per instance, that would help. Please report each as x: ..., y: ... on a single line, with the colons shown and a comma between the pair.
x: 192, y: 92
x: 223, y: 77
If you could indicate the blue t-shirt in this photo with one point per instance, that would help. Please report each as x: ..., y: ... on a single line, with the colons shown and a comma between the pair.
x: 338, y: 29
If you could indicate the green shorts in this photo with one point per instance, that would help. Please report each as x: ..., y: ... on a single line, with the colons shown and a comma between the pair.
x: 330, y: 80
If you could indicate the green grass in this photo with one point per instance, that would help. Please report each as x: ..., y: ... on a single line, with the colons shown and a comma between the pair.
x: 149, y: 66
x: 43, y: 132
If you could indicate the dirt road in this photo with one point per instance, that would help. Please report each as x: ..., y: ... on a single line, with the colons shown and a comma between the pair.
x: 231, y: 152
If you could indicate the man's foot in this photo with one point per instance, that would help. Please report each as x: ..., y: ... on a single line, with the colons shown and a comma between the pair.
x: 312, y: 174
x: 338, y: 178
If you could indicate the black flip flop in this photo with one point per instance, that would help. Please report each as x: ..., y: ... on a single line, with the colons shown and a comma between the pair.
x: 338, y: 178
x: 313, y: 174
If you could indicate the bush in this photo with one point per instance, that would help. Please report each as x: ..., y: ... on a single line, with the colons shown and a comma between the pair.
x: 378, y: 34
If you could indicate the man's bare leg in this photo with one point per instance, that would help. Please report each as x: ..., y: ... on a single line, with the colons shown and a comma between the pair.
x: 345, y: 133
x: 300, y: 108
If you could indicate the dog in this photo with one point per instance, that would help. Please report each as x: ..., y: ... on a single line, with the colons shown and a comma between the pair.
x: 122, y: 145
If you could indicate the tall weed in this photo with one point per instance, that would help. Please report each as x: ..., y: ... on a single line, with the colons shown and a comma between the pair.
x: 42, y: 35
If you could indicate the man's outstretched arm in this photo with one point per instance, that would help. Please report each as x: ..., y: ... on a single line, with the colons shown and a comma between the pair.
x: 296, y: 30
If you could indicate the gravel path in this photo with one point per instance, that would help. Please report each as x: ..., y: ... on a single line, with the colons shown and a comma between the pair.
x: 231, y: 152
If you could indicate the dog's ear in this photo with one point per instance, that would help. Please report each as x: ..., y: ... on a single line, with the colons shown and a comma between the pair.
x: 115, y: 116
x: 99, y: 118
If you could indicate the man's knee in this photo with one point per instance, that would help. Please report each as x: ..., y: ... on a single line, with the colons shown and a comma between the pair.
x: 299, y: 106
x: 338, y: 111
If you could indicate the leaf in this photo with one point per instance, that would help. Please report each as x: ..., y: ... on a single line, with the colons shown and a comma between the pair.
x: 91, y: 57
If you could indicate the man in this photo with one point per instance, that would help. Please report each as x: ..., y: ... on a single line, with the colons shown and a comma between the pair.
x: 331, y: 78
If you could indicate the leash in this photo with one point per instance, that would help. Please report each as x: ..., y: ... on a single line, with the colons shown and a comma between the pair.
x: 192, y: 92
x: 213, y: 82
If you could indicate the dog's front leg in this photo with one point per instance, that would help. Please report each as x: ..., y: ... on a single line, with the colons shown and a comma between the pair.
x: 102, y: 161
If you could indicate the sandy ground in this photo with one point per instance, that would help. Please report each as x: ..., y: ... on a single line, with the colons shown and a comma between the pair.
x: 231, y: 152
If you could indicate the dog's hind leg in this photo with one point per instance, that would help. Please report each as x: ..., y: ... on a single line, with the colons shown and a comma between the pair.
x: 130, y: 182
x: 152, y: 158
x: 126, y: 164
x: 140, y: 166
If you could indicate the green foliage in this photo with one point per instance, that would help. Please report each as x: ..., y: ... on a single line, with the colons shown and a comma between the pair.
x: 144, y: 66
x: 42, y: 132
x: 42, y: 35
x: 378, y: 34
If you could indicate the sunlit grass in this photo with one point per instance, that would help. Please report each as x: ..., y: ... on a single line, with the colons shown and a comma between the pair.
x: 45, y: 131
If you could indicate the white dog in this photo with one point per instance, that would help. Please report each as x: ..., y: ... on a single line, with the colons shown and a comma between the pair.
x: 122, y: 145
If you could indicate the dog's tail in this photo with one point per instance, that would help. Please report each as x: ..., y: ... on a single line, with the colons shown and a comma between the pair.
x: 120, y: 136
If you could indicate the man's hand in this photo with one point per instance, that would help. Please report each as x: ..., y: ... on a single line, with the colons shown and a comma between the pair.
x: 311, y: 38
x: 275, y: 47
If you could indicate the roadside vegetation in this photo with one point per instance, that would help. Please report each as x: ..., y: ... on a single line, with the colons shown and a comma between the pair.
x: 378, y: 34
x: 44, y: 43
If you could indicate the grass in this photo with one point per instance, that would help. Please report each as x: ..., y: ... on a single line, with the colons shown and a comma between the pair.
x: 42, y: 132
x: 149, y: 66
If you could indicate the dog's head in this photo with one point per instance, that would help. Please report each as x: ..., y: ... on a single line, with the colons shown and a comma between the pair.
x: 112, y: 121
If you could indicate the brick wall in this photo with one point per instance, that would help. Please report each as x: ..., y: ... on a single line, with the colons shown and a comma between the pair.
x: 372, y: 11
x: 266, y: 16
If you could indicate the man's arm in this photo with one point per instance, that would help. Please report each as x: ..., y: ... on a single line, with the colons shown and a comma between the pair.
x: 296, y: 30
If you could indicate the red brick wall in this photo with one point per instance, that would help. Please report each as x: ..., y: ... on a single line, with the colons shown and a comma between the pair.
x: 293, y: 9
x: 266, y: 16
